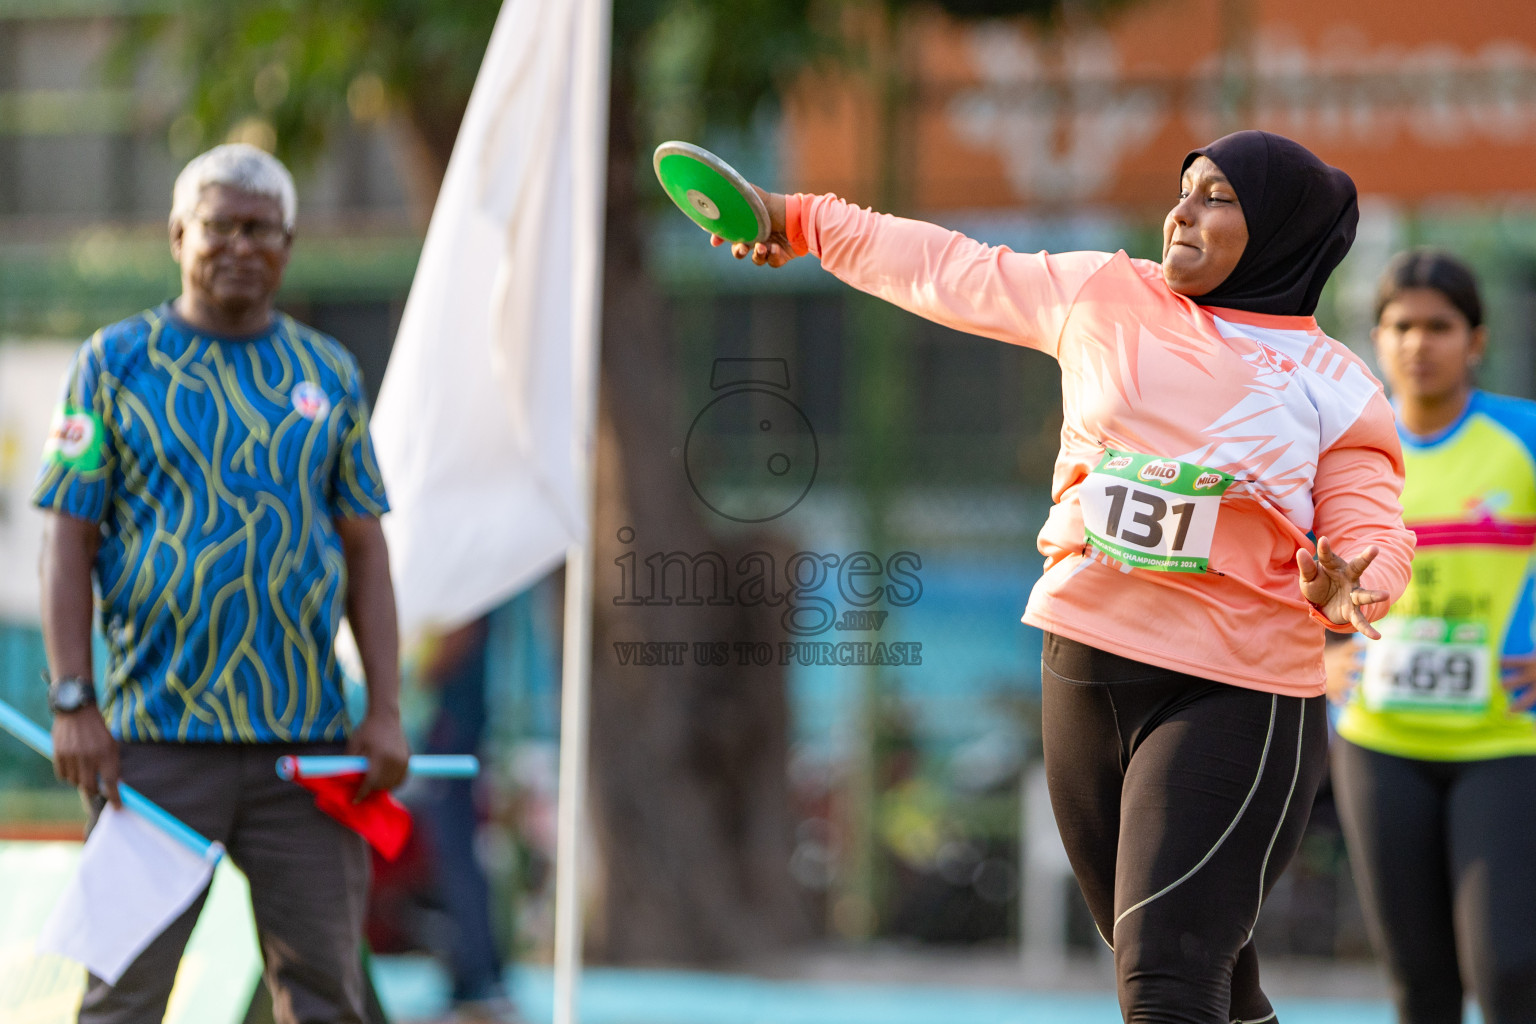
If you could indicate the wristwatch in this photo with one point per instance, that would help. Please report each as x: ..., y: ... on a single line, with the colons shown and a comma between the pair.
x: 71, y: 694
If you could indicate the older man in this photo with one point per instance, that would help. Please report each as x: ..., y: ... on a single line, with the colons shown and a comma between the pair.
x: 211, y: 469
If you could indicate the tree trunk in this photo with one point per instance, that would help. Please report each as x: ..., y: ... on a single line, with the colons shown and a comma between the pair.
x: 689, y: 799
x: 425, y: 165
x: 689, y: 763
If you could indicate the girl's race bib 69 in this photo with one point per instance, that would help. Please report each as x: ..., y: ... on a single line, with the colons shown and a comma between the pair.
x: 1428, y: 663
x: 1151, y: 512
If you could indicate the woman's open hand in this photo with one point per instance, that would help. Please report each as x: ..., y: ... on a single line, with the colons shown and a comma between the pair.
x: 776, y: 251
x: 1332, y: 585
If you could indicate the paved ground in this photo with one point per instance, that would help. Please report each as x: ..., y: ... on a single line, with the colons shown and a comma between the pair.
x: 884, y: 985
x: 1004, y: 969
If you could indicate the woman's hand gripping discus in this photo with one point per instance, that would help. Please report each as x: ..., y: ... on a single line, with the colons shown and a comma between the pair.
x: 776, y: 251
x: 1332, y: 585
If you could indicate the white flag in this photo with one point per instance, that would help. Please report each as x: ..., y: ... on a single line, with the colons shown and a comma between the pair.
x: 486, y: 397
x: 133, y: 880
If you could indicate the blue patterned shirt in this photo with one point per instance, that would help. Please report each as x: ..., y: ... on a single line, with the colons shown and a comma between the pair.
x: 217, y: 468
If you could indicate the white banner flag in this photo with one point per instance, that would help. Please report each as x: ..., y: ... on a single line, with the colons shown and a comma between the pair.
x: 133, y: 880
x: 485, y: 399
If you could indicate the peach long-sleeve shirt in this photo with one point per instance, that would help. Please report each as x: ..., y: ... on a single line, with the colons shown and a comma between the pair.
x: 1295, y: 416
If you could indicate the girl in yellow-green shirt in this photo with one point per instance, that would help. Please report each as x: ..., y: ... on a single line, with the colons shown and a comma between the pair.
x: 1435, y: 769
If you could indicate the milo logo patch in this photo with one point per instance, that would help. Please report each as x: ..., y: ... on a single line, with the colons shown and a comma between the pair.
x: 75, y: 439
x: 1205, y: 481
x: 1468, y: 633
x: 1426, y: 629
x: 72, y: 435
x: 1161, y: 471
x: 1118, y: 462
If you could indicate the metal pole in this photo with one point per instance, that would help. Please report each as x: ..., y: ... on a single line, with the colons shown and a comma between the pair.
x: 589, y: 171
x: 573, y: 777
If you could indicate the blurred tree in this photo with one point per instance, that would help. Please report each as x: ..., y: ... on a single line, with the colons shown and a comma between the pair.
x: 690, y: 793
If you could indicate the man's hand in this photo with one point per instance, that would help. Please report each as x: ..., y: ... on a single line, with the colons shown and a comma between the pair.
x: 371, y: 611
x: 85, y: 754
x: 382, y: 741
x: 1518, y: 674
x: 1332, y: 585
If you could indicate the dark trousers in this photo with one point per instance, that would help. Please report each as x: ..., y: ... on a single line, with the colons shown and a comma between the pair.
x: 1180, y: 801
x: 308, y: 876
x: 1444, y: 854
x: 446, y: 810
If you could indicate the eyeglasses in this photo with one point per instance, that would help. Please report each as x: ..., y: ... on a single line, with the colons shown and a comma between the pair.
x: 264, y: 234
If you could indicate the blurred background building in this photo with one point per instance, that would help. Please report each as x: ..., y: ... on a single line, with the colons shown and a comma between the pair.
x: 906, y: 783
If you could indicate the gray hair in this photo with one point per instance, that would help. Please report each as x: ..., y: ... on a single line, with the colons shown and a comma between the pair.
x: 239, y: 166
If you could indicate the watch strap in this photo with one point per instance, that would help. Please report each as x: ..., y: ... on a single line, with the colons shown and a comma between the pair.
x: 71, y: 693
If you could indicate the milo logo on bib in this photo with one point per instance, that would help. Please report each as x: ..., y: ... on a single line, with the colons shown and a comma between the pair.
x: 1152, y: 512
x: 1158, y: 472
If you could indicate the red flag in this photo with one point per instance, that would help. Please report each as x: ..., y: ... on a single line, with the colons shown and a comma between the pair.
x: 378, y: 817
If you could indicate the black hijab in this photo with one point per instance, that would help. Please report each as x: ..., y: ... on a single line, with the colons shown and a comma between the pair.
x: 1301, y: 217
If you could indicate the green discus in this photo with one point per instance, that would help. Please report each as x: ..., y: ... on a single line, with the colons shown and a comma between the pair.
x: 711, y: 193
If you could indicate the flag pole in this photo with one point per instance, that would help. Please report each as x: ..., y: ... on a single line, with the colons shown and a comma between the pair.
x: 574, y: 683
x: 589, y: 173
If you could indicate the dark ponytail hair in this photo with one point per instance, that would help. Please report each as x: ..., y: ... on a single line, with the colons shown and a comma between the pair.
x: 1432, y: 268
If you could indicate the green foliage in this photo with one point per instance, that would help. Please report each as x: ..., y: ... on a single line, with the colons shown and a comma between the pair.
x: 708, y: 64
x: 304, y: 67
x: 298, y: 70
x: 291, y: 72
x: 700, y: 64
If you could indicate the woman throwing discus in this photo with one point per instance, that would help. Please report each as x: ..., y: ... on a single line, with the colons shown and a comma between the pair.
x: 1435, y: 769
x: 1209, y: 426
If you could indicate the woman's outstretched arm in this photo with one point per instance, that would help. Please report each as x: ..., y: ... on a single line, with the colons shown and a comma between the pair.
x: 929, y: 270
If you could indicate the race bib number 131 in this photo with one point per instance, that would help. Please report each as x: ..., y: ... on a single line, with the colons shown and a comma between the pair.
x: 1152, y: 513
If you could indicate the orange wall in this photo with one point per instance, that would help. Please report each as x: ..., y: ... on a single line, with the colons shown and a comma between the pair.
x: 1417, y: 99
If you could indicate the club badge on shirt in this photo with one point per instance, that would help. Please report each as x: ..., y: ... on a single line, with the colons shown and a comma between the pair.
x: 76, y: 439
x: 310, y: 400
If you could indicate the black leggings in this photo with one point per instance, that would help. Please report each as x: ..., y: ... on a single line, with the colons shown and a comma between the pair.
x: 1444, y: 855
x: 1180, y: 800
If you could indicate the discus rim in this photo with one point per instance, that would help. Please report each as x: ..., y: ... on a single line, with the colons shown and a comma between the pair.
x: 732, y: 177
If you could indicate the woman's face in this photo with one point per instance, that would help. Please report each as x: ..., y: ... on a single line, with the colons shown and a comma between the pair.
x: 1425, y: 346
x: 1205, y: 234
